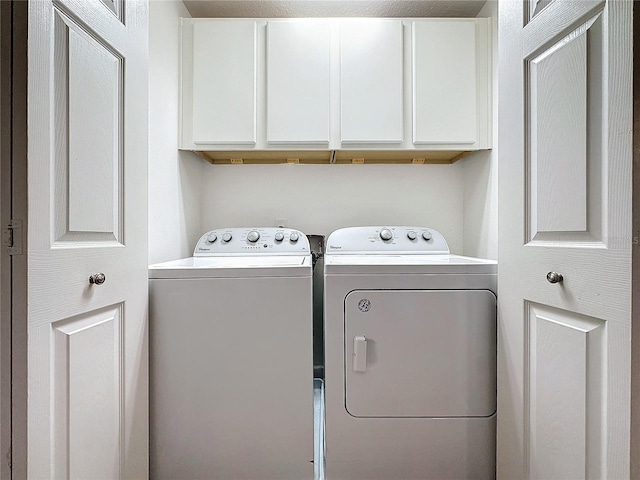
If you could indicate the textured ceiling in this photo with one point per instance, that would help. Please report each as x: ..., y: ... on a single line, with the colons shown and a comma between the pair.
x: 333, y: 8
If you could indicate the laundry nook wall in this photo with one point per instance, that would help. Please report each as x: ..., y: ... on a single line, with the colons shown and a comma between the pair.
x: 318, y: 199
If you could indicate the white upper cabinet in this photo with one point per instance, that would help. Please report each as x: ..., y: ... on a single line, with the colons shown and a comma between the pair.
x: 444, y: 82
x: 405, y: 88
x: 298, y: 82
x: 224, y: 82
x: 371, y: 87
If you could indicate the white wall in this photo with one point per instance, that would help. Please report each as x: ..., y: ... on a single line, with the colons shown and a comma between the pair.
x: 481, y: 175
x: 174, y: 177
x: 318, y: 199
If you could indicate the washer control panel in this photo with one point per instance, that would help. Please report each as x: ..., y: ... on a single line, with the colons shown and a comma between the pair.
x: 257, y: 241
x: 385, y: 240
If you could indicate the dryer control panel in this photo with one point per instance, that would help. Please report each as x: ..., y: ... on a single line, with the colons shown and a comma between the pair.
x: 386, y: 240
x: 252, y: 241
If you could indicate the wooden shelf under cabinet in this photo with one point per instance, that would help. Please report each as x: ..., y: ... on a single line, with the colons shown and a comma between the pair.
x: 327, y: 157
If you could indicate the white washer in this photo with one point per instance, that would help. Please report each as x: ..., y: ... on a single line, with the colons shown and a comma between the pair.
x: 231, y: 358
x: 410, y: 357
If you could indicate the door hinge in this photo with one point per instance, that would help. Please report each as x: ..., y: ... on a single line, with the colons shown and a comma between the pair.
x: 12, y: 237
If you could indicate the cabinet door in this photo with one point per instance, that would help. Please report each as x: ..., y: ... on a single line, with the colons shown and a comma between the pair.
x: 371, y: 68
x: 224, y: 82
x: 444, y: 82
x: 298, y: 81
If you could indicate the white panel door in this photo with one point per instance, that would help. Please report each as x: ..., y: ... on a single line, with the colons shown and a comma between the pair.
x: 224, y: 82
x: 87, y: 343
x: 444, y: 81
x: 371, y: 76
x: 564, y: 301
x: 298, y: 101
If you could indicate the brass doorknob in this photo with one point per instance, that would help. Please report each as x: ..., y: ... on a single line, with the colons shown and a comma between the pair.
x: 97, y: 279
x: 554, y: 277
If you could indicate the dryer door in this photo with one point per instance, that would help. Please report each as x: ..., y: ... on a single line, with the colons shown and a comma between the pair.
x: 420, y: 353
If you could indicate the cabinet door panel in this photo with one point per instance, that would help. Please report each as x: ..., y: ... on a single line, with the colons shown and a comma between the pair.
x: 371, y: 75
x: 298, y: 81
x: 224, y: 82
x: 444, y: 82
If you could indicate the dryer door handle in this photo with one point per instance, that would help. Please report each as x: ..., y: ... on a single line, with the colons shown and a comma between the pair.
x: 359, y: 353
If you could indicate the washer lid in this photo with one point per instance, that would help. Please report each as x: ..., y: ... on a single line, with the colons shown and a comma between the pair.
x: 234, y: 267
x: 409, y: 264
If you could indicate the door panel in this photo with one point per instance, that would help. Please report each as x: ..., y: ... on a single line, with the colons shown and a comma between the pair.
x: 536, y: 6
x: 565, y: 137
x: 565, y: 128
x: 444, y: 61
x: 87, y: 170
x: 565, y: 380
x: 88, y: 394
x: 224, y: 82
x: 371, y: 76
x: 116, y: 7
x: 558, y: 137
x: 420, y: 353
x: 88, y: 76
x: 298, y: 81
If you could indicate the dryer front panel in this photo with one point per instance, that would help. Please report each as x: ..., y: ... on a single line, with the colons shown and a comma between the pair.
x: 420, y: 353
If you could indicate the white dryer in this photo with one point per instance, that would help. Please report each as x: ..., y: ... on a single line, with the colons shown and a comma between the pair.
x: 231, y: 363
x: 410, y: 357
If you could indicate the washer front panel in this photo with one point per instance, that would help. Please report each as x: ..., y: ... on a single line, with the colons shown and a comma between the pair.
x: 420, y: 353
x: 231, y: 378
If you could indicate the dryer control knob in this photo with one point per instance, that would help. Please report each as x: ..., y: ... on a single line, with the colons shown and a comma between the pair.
x: 279, y: 236
x: 427, y: 235
x: 385, y: 234
x: 294, y: 237
x: 226, y: 237
x: 212, y: 237
x: 253, y: 236
x: 411, y: 235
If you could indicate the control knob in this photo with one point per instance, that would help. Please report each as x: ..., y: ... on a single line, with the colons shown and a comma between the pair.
x: 253, y: 236
x: 212, y: 237
x: 385, y: 234
x: 294, y: 237
x: 427, y: 235
x: 411, y: 235
x: 279, y: 236
x: 226, y: 237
